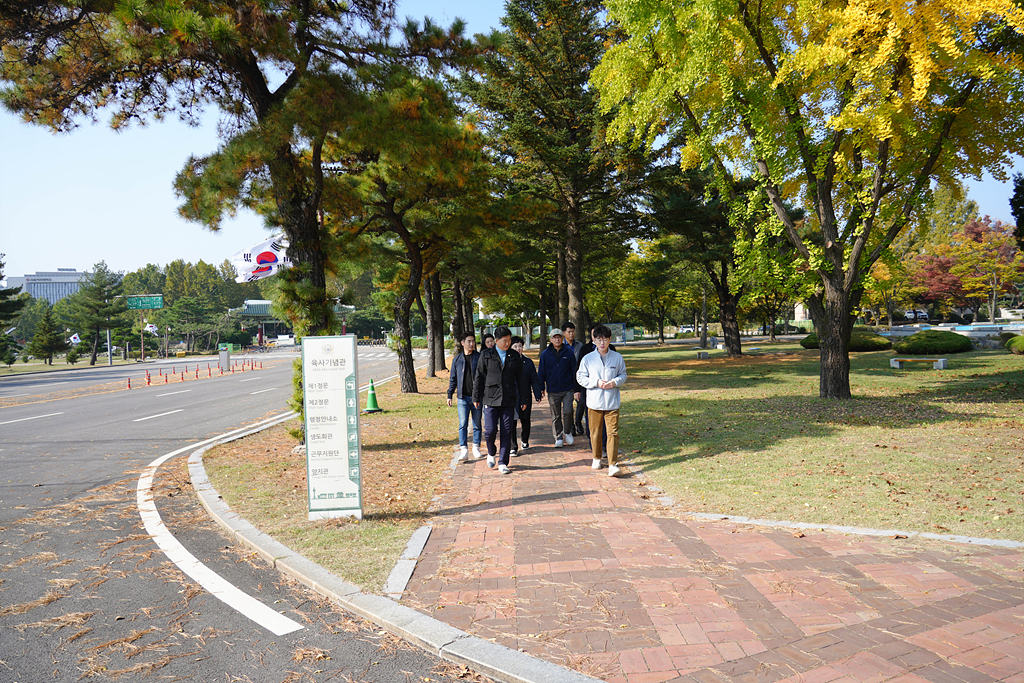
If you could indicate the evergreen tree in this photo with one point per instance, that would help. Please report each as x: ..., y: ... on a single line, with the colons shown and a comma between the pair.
x: 1017, y: 209
x: 97, y: 302
x: 10, y: 302
x: 544, y: 120
x: 48, y: 339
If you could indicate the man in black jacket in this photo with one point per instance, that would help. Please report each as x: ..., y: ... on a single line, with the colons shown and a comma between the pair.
x: 499, y: 380
x: 460, y: 385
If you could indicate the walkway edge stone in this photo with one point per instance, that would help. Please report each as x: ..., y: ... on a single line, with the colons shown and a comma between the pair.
x: 501, y: 663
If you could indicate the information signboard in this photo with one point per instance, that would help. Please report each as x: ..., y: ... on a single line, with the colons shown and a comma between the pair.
x: 331, y: 402
x: 144, y: 301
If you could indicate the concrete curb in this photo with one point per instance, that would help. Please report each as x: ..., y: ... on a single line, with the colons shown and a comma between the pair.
x: 501, y: 663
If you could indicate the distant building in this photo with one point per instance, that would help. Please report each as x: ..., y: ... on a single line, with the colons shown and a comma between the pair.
x: 50, y: 285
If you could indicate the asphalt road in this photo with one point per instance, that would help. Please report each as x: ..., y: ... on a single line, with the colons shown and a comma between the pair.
x: 86, y: 593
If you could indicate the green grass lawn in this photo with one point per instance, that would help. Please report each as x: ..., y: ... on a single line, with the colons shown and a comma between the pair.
x: 916, y: 449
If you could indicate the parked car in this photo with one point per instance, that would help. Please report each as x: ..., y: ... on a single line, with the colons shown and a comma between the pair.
x: 916, y: 314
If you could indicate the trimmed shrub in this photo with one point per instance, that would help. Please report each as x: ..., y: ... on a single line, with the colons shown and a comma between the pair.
x: 1016, y: 345
x: 932, y: 342
x: 862, y: 339
x: 1005, y: 337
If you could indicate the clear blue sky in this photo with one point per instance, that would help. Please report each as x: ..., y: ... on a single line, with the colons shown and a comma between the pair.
x: 69, y: 201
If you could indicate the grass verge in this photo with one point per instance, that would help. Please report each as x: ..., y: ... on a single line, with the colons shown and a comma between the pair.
x: 916, y: 449
x: 406, y: 453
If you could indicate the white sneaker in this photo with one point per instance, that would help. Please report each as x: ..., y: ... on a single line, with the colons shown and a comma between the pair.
x: 490, y: 461
x: 463, y: 453
x: 503, y: 469
x: 596, y: 464
x: 613, y: 471
x: 524, y: 446
x: 568, y: 439
x: 513, y: 454
x: 476, y: 451
x: 558, y: 443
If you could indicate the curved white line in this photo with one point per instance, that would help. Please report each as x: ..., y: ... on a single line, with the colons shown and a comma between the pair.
x: 276, y: 623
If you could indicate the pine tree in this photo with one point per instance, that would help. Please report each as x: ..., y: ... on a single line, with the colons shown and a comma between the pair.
x: 48, y: 340
x: 96, y: 303
x: 544, y: 120
x: 10, y: 303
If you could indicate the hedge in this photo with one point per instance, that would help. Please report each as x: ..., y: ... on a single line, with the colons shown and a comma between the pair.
x: 862, y: 339
x: 931, y: 342
x: 1016, y: 345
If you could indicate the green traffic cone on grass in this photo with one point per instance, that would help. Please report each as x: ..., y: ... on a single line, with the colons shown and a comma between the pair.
x: 371, y: 401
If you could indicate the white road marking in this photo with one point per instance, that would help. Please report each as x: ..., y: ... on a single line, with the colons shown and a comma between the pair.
x: 143, y: 419
x: 15, y: 396
x: 183, y: 391
x: 250, y: 379
x: 251, y: 393
x: 37, y: 417
x: 231, y: 595
x: 51, y: 384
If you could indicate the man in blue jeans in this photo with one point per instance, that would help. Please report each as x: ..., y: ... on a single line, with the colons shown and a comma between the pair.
x: 460, y: 385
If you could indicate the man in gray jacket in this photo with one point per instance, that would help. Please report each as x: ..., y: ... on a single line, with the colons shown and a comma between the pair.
x: 601, y: 373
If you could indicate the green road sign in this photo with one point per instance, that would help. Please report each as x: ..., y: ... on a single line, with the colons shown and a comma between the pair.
x: 145, y: 302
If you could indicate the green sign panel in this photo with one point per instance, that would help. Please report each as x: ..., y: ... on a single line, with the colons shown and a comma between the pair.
x: 145, y: 302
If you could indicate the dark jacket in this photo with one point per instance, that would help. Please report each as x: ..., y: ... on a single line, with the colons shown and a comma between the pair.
x: 496, y: 385
x: 532, y: 381
x: 557, y: 371
x: 455, y: 381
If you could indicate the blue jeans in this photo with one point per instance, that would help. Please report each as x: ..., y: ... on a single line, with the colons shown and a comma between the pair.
x: 466, y: 409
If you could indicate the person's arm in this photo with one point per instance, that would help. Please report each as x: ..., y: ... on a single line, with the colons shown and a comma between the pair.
x: 479, y: 380
x: 583, y: 376
x: 453, y: 380
x: 538, y: 389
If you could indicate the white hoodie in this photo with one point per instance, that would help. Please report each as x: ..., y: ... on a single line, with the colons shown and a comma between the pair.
x: 593, y: 367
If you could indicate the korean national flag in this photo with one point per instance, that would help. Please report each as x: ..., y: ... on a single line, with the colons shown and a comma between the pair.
x: 261, y: 260
x: 75, y: 338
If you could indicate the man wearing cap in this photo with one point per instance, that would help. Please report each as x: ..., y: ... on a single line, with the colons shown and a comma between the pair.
x: 557, y: 375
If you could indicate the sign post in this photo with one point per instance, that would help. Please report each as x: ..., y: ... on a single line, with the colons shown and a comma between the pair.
x: 143, y: 302
x: 330, y: 400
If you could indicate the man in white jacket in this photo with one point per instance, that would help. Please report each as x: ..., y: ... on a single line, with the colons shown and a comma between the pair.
x: 601, y: 373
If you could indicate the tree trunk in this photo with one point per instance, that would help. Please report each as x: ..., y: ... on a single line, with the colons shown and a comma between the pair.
x: 562, y: 291
x: 467, y: 307
x: 574, y: 275
x: 830, y: 311
x: 430, y: 327
x: 95, y: 347
x: 727, y: 303
x: 542, y: 339
x: 437, y: 310
x: 703, y: 317
x: 458, y: 318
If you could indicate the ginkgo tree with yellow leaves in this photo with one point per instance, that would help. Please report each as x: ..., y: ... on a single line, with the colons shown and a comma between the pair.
x: 848, y: 109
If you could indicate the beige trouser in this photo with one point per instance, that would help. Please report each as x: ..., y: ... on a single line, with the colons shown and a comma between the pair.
x: 599, y: 419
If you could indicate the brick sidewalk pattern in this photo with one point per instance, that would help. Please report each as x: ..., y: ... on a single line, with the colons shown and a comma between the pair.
x: 591, y: 572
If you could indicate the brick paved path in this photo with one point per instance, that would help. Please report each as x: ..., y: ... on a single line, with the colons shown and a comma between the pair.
x: 592, y: 572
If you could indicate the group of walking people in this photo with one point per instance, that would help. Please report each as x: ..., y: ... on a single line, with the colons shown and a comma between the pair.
x: 497, y: 387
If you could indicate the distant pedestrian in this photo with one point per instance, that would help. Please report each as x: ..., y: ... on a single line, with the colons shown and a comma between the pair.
x: 524, y: 414
x: 497, y: 386
x: 601, y: 373
x: 460, y: 385
x: 574, y: 345
x: 557, y: 376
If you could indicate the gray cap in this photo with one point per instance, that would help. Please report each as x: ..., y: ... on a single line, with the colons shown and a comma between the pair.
x: 556, y: 333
